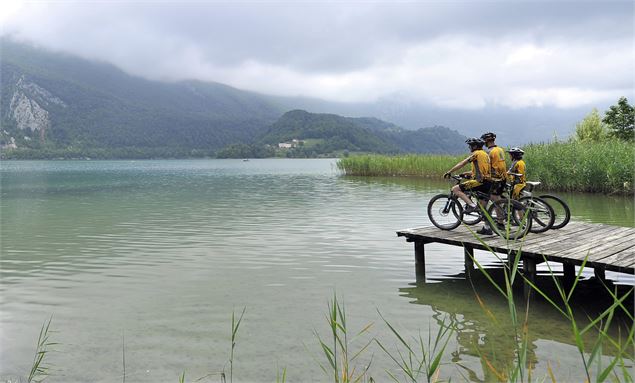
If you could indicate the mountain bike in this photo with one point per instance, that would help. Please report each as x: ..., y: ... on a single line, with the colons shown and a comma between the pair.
x: 541, y: 213
x: 562, y: 213
x: 509, y: 218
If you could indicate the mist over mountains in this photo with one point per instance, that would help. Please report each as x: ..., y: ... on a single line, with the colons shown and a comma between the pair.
x: 52, y: 100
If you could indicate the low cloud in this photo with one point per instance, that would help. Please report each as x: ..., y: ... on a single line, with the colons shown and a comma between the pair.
x: 462, y: 54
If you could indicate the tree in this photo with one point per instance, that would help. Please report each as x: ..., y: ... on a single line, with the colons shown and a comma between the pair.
x: 591, y: 128
x: 620, y: 119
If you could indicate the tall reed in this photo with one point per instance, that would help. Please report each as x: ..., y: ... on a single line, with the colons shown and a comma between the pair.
x: 406, y: 165
x: 235, y: 327
x: 420, y: 358
x: 338, y: 353
x: 39, y: 368
x: 605, y: 166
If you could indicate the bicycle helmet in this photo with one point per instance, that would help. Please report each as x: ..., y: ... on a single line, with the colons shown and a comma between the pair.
x: 488, y: 136
x: 516, y: 152
x: 474, y: 141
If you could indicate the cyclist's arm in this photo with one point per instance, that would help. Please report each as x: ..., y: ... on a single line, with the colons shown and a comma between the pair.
x: 460, y: 164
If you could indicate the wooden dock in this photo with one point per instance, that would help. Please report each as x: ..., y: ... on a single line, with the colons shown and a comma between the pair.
x: 605, y: 247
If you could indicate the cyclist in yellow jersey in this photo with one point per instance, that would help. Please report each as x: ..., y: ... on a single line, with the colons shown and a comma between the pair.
x: 518, y: 167
x: 498, y: 170
x: 480, y: 176
x: 497, y: 162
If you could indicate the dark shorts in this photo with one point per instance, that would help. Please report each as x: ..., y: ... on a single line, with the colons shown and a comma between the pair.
x: 483, y: 187
x: 498, y: 187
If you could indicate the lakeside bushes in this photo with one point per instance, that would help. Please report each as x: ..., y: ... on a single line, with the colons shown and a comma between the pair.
x: 606, y: 166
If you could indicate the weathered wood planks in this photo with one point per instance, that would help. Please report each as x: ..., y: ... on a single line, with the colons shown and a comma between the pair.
x: 605, y: 247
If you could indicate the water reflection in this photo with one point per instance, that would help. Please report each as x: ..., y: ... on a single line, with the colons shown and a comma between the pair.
x: 484, y: 330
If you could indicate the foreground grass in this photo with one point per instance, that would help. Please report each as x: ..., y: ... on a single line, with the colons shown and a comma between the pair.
x: 605, y: 167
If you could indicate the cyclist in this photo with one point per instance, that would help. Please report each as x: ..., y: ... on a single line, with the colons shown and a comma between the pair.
x: 518, y: 167
x: 497, y: 162
x: 479, y: 176
x: 498, y: 171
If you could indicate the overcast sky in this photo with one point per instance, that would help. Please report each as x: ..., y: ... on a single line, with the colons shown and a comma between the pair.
x: 466, y: 54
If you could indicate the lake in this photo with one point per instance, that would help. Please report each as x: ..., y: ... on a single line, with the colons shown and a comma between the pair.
x: 153, y: 257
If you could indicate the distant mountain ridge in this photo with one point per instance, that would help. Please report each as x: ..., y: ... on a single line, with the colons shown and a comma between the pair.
x: 365, y: 134
x: 58, y: 105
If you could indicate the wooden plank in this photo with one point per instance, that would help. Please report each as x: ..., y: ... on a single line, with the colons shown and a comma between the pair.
x: 599, y: 236
x: 556, y: 236
x: 604, y: 250
x: 584, y: 245
x: 542, y: 247
x: 623, y: 259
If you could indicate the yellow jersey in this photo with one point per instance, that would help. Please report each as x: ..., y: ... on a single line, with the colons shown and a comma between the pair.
x: 497, y: 160
x: 480, y: 166
x: 519, y: 168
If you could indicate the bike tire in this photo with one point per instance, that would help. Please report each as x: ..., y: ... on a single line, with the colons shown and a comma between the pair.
x: 514, y: 216
x: 471, y: 218
x: 561, y: 210
x: 437, y: 212
x: 542, y: 214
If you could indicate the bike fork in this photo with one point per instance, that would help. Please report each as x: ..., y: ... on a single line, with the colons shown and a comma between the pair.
x: 448, y: 205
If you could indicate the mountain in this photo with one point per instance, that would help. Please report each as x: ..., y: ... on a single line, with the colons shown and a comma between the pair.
x: 58, y: 105
x: 52, y: 100
x: 514, y: 126
x: 331, y: 133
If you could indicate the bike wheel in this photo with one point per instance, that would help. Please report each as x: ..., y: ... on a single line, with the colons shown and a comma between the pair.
x: 561, y: 210
x: 444, y: 212
x: 471, y: 218
x: 511, y: 219
x: 542, y: 214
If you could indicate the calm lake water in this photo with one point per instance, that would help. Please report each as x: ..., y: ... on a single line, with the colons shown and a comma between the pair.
x: 156, y: 255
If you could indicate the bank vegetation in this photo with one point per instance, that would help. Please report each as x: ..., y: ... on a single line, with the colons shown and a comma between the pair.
x: 599, y: 157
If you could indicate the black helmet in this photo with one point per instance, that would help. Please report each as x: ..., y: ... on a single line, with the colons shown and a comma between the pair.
x: 474, y: 141
x: 516, y: 152
x: 488, y: 136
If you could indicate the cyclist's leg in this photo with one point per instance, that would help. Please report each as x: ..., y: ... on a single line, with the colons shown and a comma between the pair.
x: 497, y: 190
x: 518, y: 188
x: 489, y: 189
x: 459, y: 191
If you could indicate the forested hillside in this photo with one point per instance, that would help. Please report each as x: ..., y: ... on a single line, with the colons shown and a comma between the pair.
x: 60, y: 106
x: 55, y: 102
x: 329, y: 134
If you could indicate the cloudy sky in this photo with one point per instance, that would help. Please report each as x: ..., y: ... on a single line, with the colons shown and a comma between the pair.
x: 465, y: 54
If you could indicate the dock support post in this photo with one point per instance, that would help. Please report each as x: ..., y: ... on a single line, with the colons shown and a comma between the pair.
x: 420, y: 261
x: 468, y: 253
x: 529, y: 270
x: 599, y: 273
x: 568, y: 270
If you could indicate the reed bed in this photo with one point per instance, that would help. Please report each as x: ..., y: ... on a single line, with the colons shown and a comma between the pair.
x: 577, y: 166
x: 427, y: 165
x: 605, y: 167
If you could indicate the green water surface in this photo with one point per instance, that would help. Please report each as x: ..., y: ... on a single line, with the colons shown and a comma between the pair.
x: 152, y: 258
